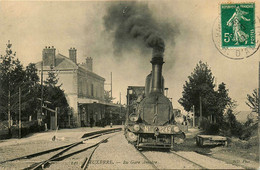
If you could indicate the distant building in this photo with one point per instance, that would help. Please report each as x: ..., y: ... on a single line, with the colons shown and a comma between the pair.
x: 83, y: 88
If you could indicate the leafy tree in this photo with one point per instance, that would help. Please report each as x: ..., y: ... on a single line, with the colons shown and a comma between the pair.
x: 31, y: 93
x: 52, y: 79
x: 55, y: 95
x: 31, y: 74
x: 107, y: 97
x: 200, y: 86
x: 12, y: 76
x: 222, y: 103
x: 253, y: 101
x: 52, y: 92
x: 231, y: 126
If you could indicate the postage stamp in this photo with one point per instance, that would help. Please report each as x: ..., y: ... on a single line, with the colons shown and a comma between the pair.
x: 238, y: 25
x: 236, y: 31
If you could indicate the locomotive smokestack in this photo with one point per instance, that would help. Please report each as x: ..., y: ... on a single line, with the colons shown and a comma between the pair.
x: 157, y: 62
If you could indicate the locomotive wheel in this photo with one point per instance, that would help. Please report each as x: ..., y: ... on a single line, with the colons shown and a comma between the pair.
x: 201, y: 142
x: 225, y: 143
x: 197, y: 141
x: 172, y: 142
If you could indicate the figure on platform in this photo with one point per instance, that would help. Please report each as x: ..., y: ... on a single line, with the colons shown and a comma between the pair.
x: 91, y: 122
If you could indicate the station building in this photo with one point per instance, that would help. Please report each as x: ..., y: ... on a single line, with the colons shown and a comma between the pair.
x: 84, y: 89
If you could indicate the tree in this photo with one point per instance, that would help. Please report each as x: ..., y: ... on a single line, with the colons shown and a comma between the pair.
x: 31, y: 74
x: 107, y: 97
x: 55, y: 95
x: 31, y: 91
x: 223, y: 102
x: 12, y: 76
x: 253, y: 101
x: 200, y: 88
x: 52, y: 79
x: 200, y: 85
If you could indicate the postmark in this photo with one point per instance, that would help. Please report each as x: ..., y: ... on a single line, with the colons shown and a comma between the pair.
x: 236, y: 31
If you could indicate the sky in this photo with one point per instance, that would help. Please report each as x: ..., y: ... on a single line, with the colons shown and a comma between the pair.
x: 32, y: 25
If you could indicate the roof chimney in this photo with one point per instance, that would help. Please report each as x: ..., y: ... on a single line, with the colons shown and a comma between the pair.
x: 89, y: 63
x: 73, y: 55
x: 49, y: 56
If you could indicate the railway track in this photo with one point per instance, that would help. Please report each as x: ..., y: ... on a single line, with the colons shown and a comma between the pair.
x: 87, y: 159
x: 147, y: 159
x: 161, y: 165
x: 205, y: 162
x: 183, y: 160
x: 59, y: 157
x: 59, y: 152
x: 201, y: 167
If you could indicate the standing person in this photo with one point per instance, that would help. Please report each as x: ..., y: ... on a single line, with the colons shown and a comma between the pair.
x: 91, y: 122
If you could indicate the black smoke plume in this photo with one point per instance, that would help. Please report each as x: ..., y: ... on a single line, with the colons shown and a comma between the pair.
x: 133, y: 24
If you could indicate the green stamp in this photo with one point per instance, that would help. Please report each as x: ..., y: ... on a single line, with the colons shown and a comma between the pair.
x: 238, y: 25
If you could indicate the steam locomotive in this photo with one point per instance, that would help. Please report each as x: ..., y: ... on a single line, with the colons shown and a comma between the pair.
x: 150, y: 116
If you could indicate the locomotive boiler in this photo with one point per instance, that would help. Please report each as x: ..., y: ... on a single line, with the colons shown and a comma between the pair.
x: 150, y: 117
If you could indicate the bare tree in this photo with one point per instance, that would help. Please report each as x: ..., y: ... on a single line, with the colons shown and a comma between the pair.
x: 253, y: 101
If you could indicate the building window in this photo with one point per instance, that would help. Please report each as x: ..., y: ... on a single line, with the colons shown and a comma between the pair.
x: 80, y: 88
x: 89, y: 89
x: 86, y: 86
x: 92, y: 90
x: 101, y: 92
x: 97, y: 91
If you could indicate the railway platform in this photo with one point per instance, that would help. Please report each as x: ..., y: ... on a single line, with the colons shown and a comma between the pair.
x: 62, y: 135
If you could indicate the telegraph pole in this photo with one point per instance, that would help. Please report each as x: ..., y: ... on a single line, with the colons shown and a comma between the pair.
x: 20, y: 123
x: 41, y: 85
x: 128, y: 102
x: 120, y: 104
x: 200, y: 112
x: 120, y: 98
x: 9, y: 110
x: 193, y: 119
x: 111, y: 87
x: 259, y: 92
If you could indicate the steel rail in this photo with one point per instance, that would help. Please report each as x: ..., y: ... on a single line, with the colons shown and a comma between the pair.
x: 36, y: 154
x: 43, y: 164
x: 202, y: 167
x: 47, y: 151
x: 151, y: 163
x: 87, y: 160
x: 58, y: 157
x: 92, y: 135
x: 34, y: 166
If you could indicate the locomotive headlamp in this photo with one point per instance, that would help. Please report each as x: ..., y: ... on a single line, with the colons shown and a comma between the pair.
x: 179, y: 120
x: 133, y: 117
x: 131, y: 136
x: 136, y: 127
x: 176, y: 129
